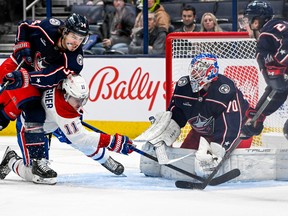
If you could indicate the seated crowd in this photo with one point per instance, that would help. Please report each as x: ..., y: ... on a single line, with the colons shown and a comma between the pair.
x: 121, y: 30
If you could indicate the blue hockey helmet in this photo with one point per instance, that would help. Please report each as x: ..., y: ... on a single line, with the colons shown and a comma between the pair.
x: 260, y: 10
x: 77, y: 24
x: 202, y: 70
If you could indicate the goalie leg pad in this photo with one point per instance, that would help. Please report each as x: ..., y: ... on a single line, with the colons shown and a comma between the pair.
x: 147, y: 166
x: 161, y: 153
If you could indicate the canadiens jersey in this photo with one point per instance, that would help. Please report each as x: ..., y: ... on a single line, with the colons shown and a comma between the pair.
x: 59, y: 114
x: 216, y: 114
x: 50, y: 65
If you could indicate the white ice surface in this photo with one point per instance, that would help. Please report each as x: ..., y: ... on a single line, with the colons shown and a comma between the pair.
x: 86, y: 188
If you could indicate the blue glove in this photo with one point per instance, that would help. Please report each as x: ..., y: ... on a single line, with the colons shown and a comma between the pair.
x: 16, y: 79
x: 249, y: 130
x: 22, y: 51
x: 120, y: 144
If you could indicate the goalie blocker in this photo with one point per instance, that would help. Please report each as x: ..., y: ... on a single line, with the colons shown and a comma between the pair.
x: 162, y: 132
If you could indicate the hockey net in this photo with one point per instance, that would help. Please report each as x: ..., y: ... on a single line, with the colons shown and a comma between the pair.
x: 235, y: 52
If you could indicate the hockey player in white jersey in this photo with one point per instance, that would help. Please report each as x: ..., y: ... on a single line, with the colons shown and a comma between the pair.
x: 62, y: 105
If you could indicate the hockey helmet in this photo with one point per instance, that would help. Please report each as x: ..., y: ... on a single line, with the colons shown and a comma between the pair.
x: 202, y: 70
x: 261, y: 10
x: 77, y: 24
x: 75, y: 86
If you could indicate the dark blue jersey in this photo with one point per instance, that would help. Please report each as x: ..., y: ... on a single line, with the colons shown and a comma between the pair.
x: 217, y: 114
x: 50, y: 65
x: 272, y: 46
x: 272, y: 50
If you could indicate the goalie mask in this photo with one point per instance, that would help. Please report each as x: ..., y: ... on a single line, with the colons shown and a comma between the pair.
x: 203, y: 69
x: 260, y: 10
x: 76, y: 91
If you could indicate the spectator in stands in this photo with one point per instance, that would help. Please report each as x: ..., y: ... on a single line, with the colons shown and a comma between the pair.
x: 117, y: 27
x: 252, y: 28
x: 162, y: 17
x: 209, y: 23
x: 188, y: 14
x: 95, y: 2
x: 157, y: 38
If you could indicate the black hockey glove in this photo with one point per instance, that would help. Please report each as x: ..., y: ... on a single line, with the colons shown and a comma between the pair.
x: 16, y: 79
x: 249, y: 130
x: 22, y: 51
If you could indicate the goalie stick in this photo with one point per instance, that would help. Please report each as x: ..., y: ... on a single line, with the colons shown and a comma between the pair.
x: 203, y: 185
x: 215, y: 181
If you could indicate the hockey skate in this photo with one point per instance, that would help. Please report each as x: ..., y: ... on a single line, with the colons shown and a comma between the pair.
x: 4, y: 169
x: 42, y: 173
x: 113, y: 166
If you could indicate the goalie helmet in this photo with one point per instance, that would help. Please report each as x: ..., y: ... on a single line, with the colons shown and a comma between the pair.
x: 203, y: 69
x: 258, y: 9
x: 76, y: 90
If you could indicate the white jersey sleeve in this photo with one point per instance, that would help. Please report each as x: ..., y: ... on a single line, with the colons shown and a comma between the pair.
x: 59, y: 114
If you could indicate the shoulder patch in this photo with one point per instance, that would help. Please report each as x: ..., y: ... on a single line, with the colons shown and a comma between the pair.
x: 182, y: 81
x: 80, y: 59
x: 224, y: 89
x: 54, y: 22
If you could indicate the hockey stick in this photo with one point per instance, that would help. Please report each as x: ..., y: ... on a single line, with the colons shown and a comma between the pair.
x: 219, y: 180
x: 4, y: 86
x: 203, y: 185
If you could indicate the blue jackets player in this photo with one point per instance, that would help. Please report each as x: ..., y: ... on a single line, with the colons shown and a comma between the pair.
x: 47, y: 52
x: 272, y: 57
x: 213, y: 106
x: 209, y: 102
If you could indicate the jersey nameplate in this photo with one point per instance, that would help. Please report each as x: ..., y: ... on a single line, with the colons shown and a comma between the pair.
x: 49, y: 99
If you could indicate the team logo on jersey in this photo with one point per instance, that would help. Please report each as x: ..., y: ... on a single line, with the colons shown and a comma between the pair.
x: 80, y: 59
x: 202, y: 125
x: 54, y: 22
x: 182, y: 81
x: 38, y: 62
x: 224, y: 89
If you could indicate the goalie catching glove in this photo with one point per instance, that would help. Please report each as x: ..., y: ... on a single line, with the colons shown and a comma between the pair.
x: 207, y: 157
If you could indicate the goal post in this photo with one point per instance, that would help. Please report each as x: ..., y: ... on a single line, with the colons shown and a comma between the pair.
x: 236, y: 53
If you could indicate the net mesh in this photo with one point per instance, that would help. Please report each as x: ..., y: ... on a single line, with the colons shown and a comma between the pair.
x: 236, y: 59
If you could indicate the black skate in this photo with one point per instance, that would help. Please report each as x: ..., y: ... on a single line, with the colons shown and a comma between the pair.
x: 4, y: 169
x: 42, y: 173
x: 113, y: 166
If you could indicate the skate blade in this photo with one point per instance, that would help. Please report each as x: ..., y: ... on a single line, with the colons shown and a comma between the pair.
x: 47, y: 181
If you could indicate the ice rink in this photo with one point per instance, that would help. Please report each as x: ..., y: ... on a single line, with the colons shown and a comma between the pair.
x: 86, y: 188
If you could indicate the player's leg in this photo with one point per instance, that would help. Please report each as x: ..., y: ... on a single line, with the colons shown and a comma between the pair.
x: 35, y: 155
x: 101, y: 155
x: 11, y: 161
